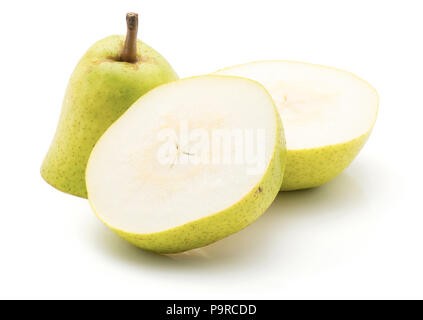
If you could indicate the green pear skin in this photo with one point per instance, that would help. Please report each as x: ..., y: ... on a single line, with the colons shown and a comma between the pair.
x: 309, y: 168
x: 100, y: 90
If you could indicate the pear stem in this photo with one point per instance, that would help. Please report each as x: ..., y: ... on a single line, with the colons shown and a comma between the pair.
x: 129, y: 52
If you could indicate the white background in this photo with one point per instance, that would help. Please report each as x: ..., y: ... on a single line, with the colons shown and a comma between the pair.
x: 359, y: 236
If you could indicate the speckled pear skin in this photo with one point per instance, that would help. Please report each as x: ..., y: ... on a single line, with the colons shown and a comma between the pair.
x: 210, y: 229
x: 309, y: 168
x: 100, y: 90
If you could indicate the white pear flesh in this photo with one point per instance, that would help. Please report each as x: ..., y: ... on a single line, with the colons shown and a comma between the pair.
x: 180, y: 205
x: 327, y: 116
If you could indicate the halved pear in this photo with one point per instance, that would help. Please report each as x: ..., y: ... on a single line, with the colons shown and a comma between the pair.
x: 189, y: 163
x: 327, y: 114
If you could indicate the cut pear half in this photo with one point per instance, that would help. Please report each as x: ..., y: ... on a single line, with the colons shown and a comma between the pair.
x: 327, y: 115
x: 189, y: 163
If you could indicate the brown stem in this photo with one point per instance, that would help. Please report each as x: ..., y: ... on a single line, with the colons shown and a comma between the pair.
x: 129, y: 52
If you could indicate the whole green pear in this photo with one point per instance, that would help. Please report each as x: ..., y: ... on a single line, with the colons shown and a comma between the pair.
x: 108, y: 79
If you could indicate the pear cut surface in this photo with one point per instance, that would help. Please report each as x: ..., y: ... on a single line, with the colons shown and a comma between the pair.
x: 192, y: 161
